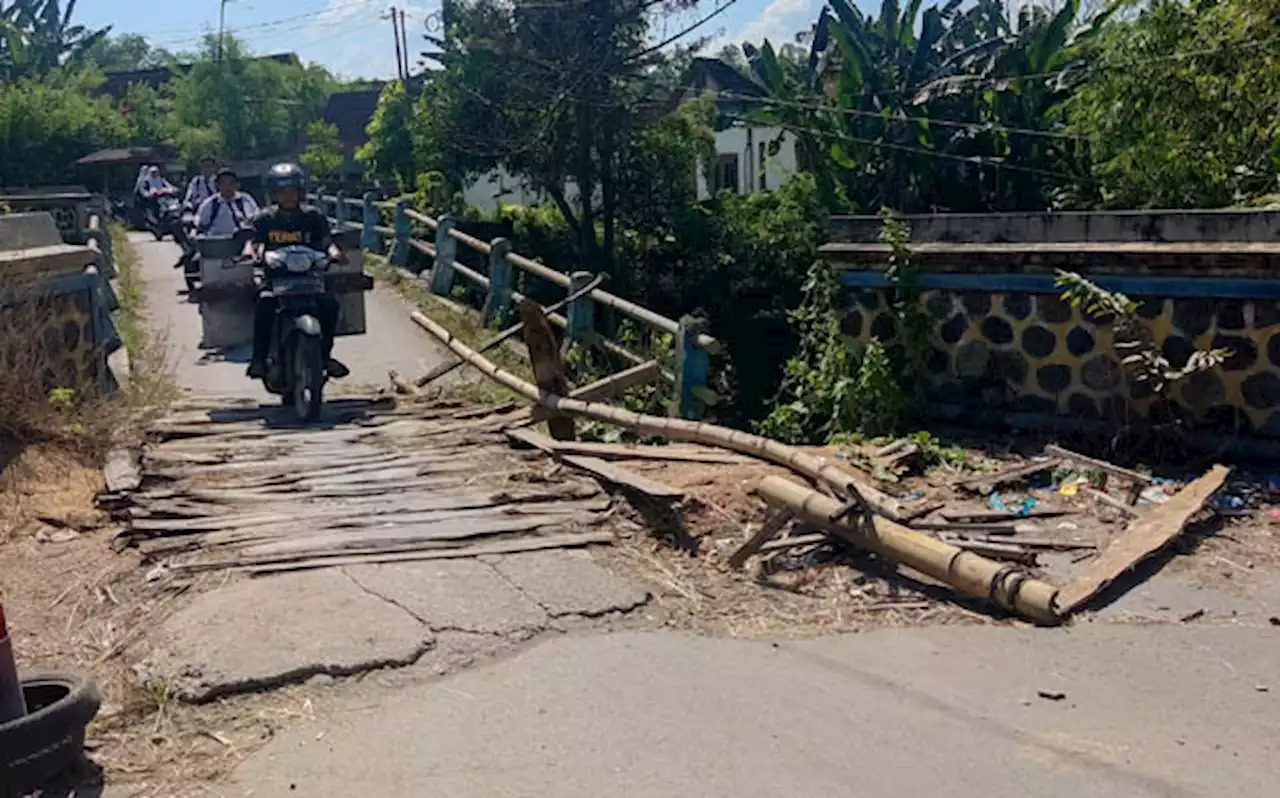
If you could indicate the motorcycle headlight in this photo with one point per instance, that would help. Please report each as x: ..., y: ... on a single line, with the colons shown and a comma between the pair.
x: 297, y: 262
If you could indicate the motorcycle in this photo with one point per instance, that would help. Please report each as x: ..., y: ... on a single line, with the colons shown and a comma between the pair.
x: 166, y: 217
x: 295, y: 276
x: 191, y: 254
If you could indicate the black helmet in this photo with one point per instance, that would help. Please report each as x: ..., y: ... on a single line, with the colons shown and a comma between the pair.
x: 286, y: 174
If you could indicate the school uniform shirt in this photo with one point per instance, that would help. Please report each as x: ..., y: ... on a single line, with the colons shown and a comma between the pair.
x: 201, y: 188
x: 222, y: 217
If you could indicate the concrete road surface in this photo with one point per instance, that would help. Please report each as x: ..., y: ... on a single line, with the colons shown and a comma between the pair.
x: 392, y: 341
x: 971, y: 712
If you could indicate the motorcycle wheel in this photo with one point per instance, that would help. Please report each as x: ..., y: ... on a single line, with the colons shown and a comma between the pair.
x: 308, y: 379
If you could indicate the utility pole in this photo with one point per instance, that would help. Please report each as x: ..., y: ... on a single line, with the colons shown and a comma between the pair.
x: 395, y: 26
x: 404, y: 38
x: 222, y: 24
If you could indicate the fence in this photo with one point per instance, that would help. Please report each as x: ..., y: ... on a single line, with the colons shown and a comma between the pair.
x: 693, y: 346
x: 54, y: 246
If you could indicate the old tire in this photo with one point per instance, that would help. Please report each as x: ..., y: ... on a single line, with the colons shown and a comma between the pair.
x: 308, y: 379
x: 49, y: 739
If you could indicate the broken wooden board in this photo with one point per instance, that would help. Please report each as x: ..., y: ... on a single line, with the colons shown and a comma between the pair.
x: 989, y: 482
x: 1142, y: 537
x: 618, y: 451
x: 235, y: 490
x: 623, y: 478
x: 122, y: 473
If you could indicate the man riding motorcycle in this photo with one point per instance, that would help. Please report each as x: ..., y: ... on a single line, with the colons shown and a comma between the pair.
x: 290, y: 223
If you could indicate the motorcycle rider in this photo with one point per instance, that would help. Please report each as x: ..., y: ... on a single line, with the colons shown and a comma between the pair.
x: 202, y: 186
x: 227, y: 211
x: 289, y: 223
x: 151, y: 187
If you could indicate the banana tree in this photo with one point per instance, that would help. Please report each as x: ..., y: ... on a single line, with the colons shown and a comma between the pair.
x: 37, y: 36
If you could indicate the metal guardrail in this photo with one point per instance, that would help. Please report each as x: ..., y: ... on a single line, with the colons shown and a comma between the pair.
x: 692, y: 344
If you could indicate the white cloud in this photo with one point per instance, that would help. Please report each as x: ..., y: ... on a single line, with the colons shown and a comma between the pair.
x: 779, y: 23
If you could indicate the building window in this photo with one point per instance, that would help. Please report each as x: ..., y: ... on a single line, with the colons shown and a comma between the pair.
x: 726, y: 174
x: 762, y: 181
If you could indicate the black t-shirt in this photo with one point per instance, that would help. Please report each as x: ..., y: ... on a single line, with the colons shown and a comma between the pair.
x: 275, y: 228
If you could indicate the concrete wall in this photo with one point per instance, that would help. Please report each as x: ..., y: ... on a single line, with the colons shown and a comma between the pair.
x: 1004, y: 343
x: 745, y: 142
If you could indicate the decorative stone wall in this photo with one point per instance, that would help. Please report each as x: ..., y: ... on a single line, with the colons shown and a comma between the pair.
x: 1034, y: 353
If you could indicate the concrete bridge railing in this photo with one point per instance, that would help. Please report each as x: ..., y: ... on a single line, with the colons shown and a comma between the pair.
x: 56, y: 256
x: 1006, y: 348
x: 438, y: 240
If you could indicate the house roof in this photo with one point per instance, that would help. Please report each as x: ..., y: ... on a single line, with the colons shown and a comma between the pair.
x: 117, y: 83
x: 126, y: 155
x: 350, y: 112
x: 712, y: 74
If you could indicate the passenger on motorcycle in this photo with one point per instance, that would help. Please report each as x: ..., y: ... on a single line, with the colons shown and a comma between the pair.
x: 227, y: 211
x: 202, y: 186
x: 151, y: 186
x: 290, y: 223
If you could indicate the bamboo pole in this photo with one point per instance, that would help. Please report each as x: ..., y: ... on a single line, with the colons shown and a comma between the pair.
x: 966, y: 571
x: 814, y: 468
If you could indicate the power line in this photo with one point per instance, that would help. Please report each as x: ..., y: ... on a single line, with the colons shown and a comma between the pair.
x: 684, y: 32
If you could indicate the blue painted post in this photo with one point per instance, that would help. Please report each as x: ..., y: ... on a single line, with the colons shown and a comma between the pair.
x: 446, y: 252
x: 369, y: 238
x: 692, y: 368
x: 498, y: 303
x: 404, y: 230
x: 581, y: 311
x: 340, y: 211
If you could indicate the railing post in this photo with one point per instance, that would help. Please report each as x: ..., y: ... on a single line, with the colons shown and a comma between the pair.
x: 404, y: 229
x: 340, y: 211
x: 498, y: 302
x: 446, y: 251
x: 581, y: 311
x: 692, y: 368
x: 369, y: 235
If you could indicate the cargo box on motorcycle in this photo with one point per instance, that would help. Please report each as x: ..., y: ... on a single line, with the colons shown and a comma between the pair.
x: 228, y: 293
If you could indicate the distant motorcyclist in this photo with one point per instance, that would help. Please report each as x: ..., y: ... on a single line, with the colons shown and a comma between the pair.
x: 202, y: 186
x: 290, y: 223
x: 150, y: 187
x: 228, y: 211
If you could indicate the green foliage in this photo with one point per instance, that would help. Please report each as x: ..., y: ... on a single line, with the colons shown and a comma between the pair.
x: 37, y: 37
x: 1197, y: 131
x: 892, y: 76
x: 1141, y: 355
x: 389, y: 155
x: 260, y: 108
x: 323, y: 156
x: 915, y: 326
x: 45, y: 125
x: 127, y: 52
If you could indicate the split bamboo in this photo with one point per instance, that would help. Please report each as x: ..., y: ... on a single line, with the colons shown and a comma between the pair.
x: 967, y: 572
x: 810, y: 466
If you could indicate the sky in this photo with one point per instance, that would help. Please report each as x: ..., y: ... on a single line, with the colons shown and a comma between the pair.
x: 350, y: 37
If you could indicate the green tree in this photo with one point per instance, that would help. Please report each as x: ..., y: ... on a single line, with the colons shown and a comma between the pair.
x: 323, y: 156
x: 261, y: 107
x: 125, y: 53
x: 1181, y: 106
x: 45, y: 125
x: 38, y: 37
x: 390, y: 154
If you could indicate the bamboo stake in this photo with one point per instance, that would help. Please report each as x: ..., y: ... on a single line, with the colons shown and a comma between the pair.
x: 814, y: 468
x: 966, y: 571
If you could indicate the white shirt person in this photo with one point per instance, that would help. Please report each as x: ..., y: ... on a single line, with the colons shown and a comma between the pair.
x: 221, y: 216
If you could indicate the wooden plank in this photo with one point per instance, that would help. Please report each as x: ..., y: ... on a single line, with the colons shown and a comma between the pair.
x: 1099, y: 465
x: 621, y: 451
x: 623, y: 478
x: 548, y: 367
x: 987, y: 483
x: 501, y: 547
x: 993, y: 517
x: 1111, y: 501
x: 1141, y: 538
x: 771, y: 526
x: 122, y: 473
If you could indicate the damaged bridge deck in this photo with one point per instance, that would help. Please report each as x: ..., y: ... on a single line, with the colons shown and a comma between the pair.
x: 363, y: 543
